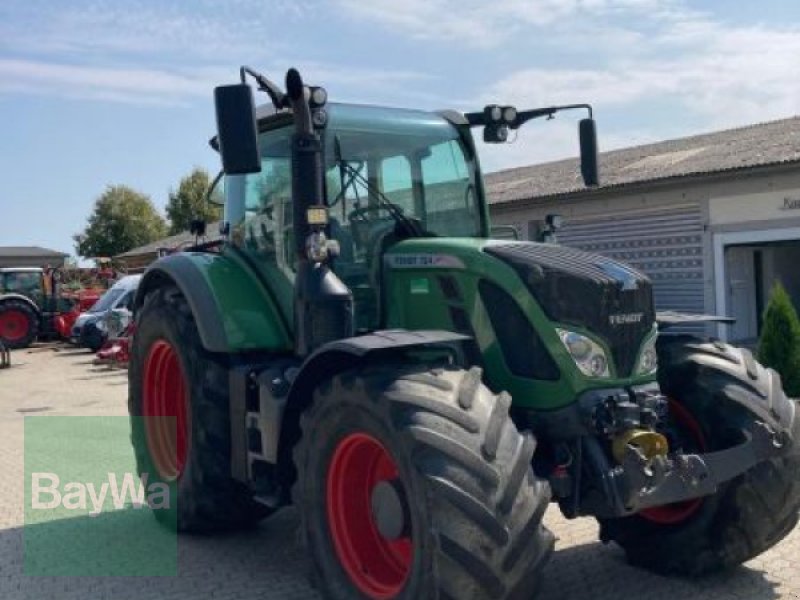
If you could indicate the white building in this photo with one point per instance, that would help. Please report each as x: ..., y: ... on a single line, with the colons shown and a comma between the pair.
x: 713, y: 219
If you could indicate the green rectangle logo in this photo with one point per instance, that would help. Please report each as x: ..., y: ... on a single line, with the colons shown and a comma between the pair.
x: 88, y: 512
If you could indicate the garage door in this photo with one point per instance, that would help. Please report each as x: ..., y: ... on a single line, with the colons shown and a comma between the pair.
x: 664, y: 244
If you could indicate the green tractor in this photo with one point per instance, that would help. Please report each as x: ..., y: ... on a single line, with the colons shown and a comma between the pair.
x: 358, y: 346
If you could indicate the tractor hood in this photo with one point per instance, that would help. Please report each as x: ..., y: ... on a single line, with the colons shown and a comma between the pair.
x: 570, y: 288
x: 608, y: 298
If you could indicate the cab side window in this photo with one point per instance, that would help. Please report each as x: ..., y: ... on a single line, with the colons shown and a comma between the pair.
x: 262, y: 224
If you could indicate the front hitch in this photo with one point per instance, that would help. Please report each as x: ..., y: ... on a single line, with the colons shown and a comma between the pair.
x: 642, y: 483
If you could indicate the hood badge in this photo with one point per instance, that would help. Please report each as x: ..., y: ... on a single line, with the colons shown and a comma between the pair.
x: 626, y: 318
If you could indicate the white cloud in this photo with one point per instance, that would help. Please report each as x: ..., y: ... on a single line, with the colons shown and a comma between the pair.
x: 700, y: 69
x: 138, y: 85
x: 482, y: 24
x: 178, y: 86
x: 154, y: 52
x: 206, y: 30
x: 728, y: 75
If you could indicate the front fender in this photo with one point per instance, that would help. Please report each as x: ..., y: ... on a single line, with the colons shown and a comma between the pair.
x: 232, y: 309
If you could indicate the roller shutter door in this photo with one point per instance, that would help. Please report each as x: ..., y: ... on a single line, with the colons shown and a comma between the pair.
x: 667, y: 245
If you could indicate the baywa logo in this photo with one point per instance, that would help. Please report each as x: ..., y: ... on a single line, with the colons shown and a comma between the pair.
x: 88, y: 513
x: 48, y: 493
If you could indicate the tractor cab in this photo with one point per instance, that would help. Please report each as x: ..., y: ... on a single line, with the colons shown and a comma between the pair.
x: 27, y: 281
x: 390, y: 174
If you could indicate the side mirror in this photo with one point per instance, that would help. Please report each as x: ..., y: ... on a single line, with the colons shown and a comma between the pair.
x: 587, y: 130
x: 236, y: 129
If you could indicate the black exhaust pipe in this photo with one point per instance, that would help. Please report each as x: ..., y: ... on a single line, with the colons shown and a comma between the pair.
x: 323, y: 304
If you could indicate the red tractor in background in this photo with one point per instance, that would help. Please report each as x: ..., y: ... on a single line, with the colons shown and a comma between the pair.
x: 31, y: 306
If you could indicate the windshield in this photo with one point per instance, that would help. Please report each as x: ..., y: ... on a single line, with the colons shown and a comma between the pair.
x: 416, y: 160
x: 107, y: 300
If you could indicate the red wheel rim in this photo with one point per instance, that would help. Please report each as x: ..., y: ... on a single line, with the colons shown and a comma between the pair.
x: 673, y: 514
x: 165, y: 395
x: 14, y: 325
x: 378, y: 567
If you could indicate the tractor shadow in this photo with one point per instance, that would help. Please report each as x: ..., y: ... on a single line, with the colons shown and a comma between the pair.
x: 73, y: 352
x: 100, y: 554
x: 600, y: 572
x: 103, y: 373
x: 97, y: 556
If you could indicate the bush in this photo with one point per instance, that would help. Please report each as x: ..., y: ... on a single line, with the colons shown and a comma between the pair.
x: 779, y: 346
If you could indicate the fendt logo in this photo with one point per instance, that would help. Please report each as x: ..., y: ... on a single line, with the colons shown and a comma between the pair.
x: 626, y: 319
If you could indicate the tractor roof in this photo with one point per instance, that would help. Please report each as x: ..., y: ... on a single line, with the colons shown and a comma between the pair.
x: 265, y: 112
x: 20, y: 270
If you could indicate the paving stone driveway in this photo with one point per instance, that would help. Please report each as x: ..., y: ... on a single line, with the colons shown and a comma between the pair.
x: 267, y: 562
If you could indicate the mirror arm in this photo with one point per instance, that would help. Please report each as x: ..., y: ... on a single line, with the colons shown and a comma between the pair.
x: 527, y: 115
x: 278, y: 98
x: 478, y: 119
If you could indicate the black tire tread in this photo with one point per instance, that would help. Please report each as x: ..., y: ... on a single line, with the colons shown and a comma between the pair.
x: 486, y: 552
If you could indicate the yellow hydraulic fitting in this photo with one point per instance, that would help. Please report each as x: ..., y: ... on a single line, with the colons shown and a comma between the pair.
x: 649, y: 443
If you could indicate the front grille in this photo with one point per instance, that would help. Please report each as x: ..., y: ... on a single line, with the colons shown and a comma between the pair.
x: 523, y: 350
x: 586, y: 290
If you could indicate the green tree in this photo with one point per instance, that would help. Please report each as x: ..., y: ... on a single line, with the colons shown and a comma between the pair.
x: 779, y: 346
x: 121, y: 220
x: 189, y: 202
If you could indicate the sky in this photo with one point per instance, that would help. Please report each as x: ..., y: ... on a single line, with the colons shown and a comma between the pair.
x: 101, y: 92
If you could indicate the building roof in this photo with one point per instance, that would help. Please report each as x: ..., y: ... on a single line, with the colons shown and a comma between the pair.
x: 169, y: 243
x: 21, y: 270
x: 759, y: 145
x: 29, y: 252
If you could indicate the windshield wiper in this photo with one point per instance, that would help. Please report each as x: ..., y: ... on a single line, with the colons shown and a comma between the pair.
x: 412, y: 227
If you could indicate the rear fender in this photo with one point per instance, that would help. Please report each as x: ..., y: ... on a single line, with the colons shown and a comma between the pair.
x: 233, y: 311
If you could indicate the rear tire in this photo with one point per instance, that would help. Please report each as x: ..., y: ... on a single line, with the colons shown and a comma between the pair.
x: 472, y: 504
x: 203, y: 496
x: 749, y: 514
x: 19, y: 324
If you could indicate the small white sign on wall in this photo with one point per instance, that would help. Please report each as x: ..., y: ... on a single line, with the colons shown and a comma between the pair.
x: 753, y: 207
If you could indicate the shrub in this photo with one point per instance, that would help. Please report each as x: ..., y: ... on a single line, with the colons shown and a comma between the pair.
x: 779, y: 346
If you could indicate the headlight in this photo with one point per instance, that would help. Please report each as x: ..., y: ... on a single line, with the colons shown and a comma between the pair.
x: 588, y: 355
x: 101, y: 325
x: 648, y: 357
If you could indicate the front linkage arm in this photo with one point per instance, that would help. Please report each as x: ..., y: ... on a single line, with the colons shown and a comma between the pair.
x: 641, y: 483
x: 688, y: 476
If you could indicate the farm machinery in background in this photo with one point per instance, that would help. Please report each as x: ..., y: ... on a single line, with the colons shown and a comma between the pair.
x: 33, y: 305
x: 44, y: 304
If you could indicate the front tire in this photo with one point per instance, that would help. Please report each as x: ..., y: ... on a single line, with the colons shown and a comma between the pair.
x: 749, y: 514
x: 415, y: 484
x: 172, y: 375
